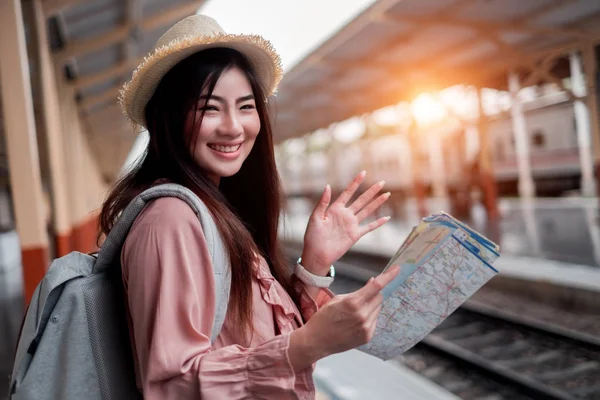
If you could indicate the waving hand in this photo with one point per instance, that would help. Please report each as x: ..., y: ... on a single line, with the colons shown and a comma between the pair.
x: 333, y: 228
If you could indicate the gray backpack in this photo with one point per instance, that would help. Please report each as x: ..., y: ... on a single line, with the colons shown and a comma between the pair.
x: 74, y: 342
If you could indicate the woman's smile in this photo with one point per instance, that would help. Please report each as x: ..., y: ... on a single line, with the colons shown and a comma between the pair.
x: 229, y: 152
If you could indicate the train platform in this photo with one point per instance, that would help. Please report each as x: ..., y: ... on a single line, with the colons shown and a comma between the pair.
x: 550, y: 248
x: 356, y: 375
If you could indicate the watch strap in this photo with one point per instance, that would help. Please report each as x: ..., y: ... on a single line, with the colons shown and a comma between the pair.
x: 311, y: 279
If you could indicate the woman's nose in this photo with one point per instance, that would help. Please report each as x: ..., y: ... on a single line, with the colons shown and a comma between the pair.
x: 231, y: 125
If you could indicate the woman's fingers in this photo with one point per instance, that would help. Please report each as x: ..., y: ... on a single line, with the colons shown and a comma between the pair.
x: 371, y: 322
x: 323, y: 203
x: 372, y: 206
x: 373, y: 225
x: 372, y: 304
x: 373, y: 315
x: 374, y: 285
x: 366, y: 197
x: 351, y: 189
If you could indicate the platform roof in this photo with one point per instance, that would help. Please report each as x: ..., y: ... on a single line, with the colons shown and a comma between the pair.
x: 396, y: 49
x: 98, y: 43
x: 391, y: 51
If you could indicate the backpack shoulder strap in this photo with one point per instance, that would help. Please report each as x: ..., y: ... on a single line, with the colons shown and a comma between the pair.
x: 111, y: 248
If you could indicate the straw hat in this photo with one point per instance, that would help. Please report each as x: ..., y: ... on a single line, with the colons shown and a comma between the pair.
x: 189, y: 36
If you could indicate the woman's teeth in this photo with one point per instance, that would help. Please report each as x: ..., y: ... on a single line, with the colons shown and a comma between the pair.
x: 225, y: 149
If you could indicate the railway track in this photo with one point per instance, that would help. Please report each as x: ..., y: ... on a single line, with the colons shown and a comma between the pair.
x: 538, y: 359
x: 481, y: 352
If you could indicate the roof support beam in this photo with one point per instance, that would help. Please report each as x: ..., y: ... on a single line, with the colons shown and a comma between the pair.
x: 92, y: 101
x: 510, y: 63
x: 53, y: 7
x: 545, y: 9
x: 123, y: 68
x: 80, y: 47
x: 529, y: 60
x: 101, y: 116
x: 533, y: 59
x: 111, y: 129
x: 490, y: 25
x: 549, y: 77
x: 459, y: 6
x: 546, y: 64
x: 77, y: 48
x: 542, y: 71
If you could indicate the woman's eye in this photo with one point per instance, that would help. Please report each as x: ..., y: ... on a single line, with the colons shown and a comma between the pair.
x: 248, y: 107
x: 208, y: 108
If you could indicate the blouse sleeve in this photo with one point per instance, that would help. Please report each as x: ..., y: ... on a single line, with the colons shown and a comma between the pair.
x: 170, y: 288
x: 309, y: 305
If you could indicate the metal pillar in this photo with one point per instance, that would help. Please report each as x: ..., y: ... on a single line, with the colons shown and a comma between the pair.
x: 333, y: 160
x: 22, y: 147
x: 419, y: 190
x: 54, y: 136
x: 401, y: 194
x: 590, y: 70
x: 594, y: 232
x: 486, y: 178
x: 528, y: 209
x: 436, y: 163
x: 582, y: 125
x: 306, y: 172
x: 526, y: 186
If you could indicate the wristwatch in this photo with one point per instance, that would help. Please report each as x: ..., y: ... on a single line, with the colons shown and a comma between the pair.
x: 311, y: 279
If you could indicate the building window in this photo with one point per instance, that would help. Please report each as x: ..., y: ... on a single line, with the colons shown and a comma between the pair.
x: 538, y: 139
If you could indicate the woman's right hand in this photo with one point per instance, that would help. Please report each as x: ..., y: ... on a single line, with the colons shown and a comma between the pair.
x: 345, y: 322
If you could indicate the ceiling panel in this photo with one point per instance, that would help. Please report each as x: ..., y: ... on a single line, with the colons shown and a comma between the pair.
x: 377, y: 33
x: 90, y: 19
x: 421, y: 7
x: 429, y: 40
x: 501, y: 10
x: 573, y: 11
x: 100, y: 60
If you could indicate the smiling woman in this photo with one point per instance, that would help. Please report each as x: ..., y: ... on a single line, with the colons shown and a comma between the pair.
x: 202, y: 95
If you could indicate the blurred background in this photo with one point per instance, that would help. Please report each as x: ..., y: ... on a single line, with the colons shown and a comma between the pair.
x: 486, y: 109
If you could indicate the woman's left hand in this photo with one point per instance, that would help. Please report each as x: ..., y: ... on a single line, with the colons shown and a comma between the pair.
x: 333, y: 229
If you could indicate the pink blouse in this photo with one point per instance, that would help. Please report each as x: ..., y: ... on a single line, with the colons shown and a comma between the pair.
x: 169, y: 284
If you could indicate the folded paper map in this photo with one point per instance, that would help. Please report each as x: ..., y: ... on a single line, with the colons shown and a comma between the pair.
x: 443, y: 263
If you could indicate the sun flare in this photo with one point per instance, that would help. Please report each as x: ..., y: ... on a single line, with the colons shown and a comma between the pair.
x: 427, y: 110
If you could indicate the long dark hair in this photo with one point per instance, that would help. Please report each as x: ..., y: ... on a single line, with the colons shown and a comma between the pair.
x: 246, y: 206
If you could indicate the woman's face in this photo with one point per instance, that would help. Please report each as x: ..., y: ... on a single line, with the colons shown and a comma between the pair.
x: 228, y: 129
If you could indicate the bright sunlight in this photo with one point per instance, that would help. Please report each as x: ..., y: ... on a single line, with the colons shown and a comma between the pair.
x: 427, y: 110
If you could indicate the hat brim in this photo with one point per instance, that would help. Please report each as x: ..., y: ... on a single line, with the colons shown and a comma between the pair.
x: 136, y: 93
